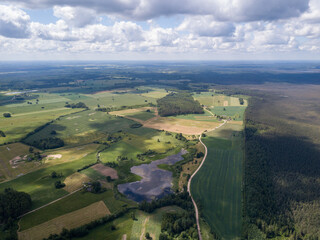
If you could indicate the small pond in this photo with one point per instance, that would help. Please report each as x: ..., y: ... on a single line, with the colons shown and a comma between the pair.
x: 155, y: 182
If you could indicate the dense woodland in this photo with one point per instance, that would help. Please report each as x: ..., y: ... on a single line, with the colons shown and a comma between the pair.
x: 177, y: 104
x: 12, y: 205
x: 282, y: 172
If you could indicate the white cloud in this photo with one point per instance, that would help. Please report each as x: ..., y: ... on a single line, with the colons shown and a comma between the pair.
x: 222, y: 10
x: 206, y: 26
x: 75, y: 16
x: 14, y: 23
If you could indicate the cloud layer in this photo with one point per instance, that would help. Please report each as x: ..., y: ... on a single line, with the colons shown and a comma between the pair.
x: 209, y: 27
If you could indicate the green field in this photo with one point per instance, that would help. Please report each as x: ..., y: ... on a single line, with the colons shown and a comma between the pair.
x: 235, y: 112
x: 26, y: 117
x: 81, y: 128
x: 40, y: 185
x: 211, y: 99
x: 143, y: 115
x: 133, y: 229
x: 69, y: 204
x: 217, y: 186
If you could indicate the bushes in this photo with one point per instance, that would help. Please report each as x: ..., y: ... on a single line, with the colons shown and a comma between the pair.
x: 178, y: 103
x: 86, y: 166
x: 58, y: 184
x: 7, y: 115
x: 136, y: 125
x: 2, y: 134
x: 76, y: 105
x: 48, y: 143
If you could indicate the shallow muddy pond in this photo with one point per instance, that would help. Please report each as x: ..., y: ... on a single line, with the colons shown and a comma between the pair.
x: 155, y: 182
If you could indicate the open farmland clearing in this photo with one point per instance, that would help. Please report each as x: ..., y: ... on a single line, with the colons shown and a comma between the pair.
x: 105, y: 171
x: 86, y: 131
x: 12, y: 163
x: 68, y: 221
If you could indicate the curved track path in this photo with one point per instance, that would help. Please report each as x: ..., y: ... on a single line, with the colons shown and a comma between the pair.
x: 189, y: 182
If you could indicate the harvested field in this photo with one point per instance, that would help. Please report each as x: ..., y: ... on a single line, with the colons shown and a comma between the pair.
x: 68, y: 221
x: 189, y: 127
x: 75, y: 181
x: 106, y: 171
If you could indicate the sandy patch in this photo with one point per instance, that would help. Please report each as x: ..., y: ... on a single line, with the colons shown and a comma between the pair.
x: 90, y: 114
x: 225, y: 103
x: 16, y: 161
x: 106, y: 171
x: 74, y: 117
x: 54, y: 156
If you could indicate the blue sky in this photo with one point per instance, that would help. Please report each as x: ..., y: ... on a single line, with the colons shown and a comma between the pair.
x: 159, y: 29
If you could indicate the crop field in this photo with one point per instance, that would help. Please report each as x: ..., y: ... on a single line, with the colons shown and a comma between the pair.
x: 217, y: 186
x: 75, y: 181
x: 12, y: 163
x: 235, y: 112
x: 69, y: 204
x: 71, y: 220
x: 136, y: 113
x: 228, y: 130
x: 189, y: 127
x: 84, y: 127
x: 197, y: 117
x: 210, y: 99
x: 159, y: 93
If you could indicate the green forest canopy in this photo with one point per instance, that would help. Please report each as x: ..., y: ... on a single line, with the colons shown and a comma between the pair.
x: 177, y: 104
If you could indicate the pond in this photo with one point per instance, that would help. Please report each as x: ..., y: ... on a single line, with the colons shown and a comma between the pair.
x: 155, y: 182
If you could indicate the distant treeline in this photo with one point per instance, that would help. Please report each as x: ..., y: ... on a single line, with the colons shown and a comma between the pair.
x: 178, y: 103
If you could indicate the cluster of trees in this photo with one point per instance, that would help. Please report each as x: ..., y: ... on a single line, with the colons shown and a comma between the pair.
x: 2, y: 134
x: 58, y: 184
x: 34, y: 156
x: 13, y: 204
x: 241, y: 101
x: 76, y: 105
x: 103, y: 109
x: 178, y: 103
x: 86, y: 166
x: 136, y: 125
x: 149, y: 152
x: 182, y: 200
x: 179, y: 225
x: 7, y: 115
x: 48, y: 143
x: 180, y: 137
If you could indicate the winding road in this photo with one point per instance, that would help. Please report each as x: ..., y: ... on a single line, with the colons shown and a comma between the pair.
x: 189, y: 182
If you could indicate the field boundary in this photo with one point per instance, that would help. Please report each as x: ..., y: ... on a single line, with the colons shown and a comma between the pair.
x: 195, y: 172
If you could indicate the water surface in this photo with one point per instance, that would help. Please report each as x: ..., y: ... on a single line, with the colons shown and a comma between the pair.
x: 155, y: 182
